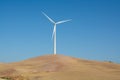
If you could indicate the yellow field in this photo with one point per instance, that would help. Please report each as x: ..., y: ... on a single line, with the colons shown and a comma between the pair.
x: 59, y: 67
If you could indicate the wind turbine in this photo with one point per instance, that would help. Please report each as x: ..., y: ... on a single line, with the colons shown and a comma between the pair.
x: 54, y: 29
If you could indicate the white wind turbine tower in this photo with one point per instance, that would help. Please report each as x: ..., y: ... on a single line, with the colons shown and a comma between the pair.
x: 54, y: 30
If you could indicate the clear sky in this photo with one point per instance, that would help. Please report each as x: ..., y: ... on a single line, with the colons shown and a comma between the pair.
x: 93, y: 33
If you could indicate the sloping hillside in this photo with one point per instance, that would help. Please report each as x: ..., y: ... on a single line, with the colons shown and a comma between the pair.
x: 59, y: 67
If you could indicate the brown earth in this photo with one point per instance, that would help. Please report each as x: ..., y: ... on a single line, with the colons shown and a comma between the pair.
x: 59, y: 67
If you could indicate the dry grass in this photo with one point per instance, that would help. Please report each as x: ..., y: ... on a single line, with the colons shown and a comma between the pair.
x: 59, y: 67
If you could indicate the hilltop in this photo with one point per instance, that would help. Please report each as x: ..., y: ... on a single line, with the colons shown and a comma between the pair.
x: 60, y: 67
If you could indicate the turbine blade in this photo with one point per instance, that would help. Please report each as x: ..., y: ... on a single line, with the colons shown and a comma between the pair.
x: 53, y: 32
x: 48, y: 18
x: 63, y: 21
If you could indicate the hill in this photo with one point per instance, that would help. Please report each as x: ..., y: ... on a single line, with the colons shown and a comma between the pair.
x: 60, y: 67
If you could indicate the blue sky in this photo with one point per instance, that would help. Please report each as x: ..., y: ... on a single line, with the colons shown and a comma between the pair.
x: 93, y: 33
